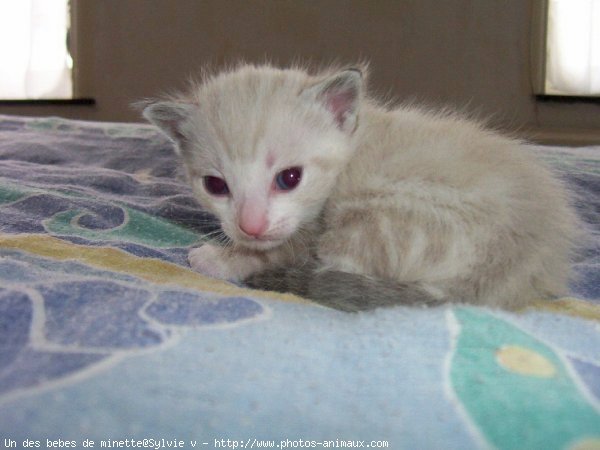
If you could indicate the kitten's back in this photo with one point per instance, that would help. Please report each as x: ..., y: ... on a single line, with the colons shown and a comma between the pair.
x: 435, y: 199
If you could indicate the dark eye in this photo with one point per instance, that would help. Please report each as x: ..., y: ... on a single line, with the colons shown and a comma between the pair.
x: 216, y: 185
x: 288, y: 179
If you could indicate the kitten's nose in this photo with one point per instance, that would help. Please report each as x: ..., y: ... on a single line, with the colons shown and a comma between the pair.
x: 253, y: 228
x: 253, y: 221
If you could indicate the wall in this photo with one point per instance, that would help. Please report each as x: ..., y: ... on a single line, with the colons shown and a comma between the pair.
x: 467, y: 53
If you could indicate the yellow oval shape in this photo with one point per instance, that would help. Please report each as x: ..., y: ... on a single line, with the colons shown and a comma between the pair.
x: 587, y: 444
x: 524, y: 361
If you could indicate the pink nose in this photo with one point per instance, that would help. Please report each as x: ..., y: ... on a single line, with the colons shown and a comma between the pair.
x: 252, y: 223
x: 252, y: 218
x: 253, y: 228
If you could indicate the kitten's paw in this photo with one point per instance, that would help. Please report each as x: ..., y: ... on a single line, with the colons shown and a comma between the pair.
x: 216, y: 262
x: 209, y: 260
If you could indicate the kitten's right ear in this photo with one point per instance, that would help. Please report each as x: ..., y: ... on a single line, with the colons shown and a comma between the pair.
x: 170, y: 118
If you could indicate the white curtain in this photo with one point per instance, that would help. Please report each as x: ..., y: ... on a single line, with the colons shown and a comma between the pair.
x: 34, y: 60
x: 573, y: 47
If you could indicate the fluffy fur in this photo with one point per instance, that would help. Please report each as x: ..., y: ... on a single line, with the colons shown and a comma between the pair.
x: 394, y: 206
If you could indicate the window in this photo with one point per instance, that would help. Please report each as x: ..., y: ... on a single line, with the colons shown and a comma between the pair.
x: 34, y: 57
x: 566, y: 48
x: 573, y: 47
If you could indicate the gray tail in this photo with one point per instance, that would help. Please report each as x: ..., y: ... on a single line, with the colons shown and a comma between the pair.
x: 341, y: 290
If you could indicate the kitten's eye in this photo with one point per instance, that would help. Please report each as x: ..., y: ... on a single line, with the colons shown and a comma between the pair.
x: 216, y: 185
x: 288, y: 179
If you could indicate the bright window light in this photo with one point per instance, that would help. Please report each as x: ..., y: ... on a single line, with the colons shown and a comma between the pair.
x: 34, y: 59
x: 573, y: 47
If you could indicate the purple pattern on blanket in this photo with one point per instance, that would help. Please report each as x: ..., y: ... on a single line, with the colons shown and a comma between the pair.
x: 117, y: 186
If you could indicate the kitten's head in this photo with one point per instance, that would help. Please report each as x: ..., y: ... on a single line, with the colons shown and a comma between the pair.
x: 263, y: 146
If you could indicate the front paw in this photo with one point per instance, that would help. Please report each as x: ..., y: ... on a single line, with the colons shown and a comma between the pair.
x: 209, y: 260
x: 217, y: 262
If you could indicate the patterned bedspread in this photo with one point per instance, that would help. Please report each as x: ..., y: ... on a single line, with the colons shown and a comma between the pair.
x: 107, y: 336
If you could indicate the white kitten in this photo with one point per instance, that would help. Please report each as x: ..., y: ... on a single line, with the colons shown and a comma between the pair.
x: 324, y: 193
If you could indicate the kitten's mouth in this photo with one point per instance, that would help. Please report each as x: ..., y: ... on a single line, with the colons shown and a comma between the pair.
x: 261, y: 243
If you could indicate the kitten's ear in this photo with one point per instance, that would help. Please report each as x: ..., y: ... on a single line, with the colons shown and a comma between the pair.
x: 340, y: 94
x: 170, y: 117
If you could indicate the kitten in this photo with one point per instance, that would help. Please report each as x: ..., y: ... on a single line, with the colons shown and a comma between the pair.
x: 325, y: 193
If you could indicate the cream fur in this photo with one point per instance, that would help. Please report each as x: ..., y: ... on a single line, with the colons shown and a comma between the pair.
x: 397, y: 194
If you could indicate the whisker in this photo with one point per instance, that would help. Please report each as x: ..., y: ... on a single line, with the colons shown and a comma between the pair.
x: 213, y: 233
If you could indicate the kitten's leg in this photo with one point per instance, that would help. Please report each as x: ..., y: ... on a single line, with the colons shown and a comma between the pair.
x: 223, y: 263
x: 235, y: 264
x: 366, y: 261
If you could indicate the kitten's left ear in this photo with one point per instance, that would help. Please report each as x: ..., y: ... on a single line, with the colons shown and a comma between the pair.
x: 340, y: 94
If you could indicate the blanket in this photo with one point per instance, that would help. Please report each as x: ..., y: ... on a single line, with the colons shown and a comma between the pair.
x: 109, y: 340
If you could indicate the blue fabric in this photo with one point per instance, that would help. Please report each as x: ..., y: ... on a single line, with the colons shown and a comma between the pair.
x: 106, y: 334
